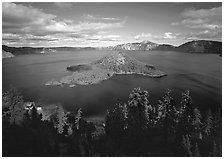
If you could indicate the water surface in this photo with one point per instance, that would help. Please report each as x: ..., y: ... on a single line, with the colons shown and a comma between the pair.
x: 199, y: 73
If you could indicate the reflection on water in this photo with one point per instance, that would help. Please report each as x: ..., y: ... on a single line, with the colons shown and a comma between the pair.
x: 201, y: 74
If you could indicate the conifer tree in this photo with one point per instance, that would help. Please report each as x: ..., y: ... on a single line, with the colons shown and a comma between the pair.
x: 138, y: 109
x: 196, y: 151
x: 35, y: 117
x: 197, y: 124
x: 187, y: 144
x: 59, y: 119
x: 215, y: 150
x: 167, y: 115
x: 116, y: 121
x: 208, y: 123
x: 186, y: 114
x: 14, y: 102
x: 78, y: 118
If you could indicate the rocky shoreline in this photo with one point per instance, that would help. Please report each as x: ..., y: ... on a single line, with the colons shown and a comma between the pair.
x: 72, y: 82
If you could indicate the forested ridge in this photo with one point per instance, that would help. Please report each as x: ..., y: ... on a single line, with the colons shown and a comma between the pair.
x: 134, y: 128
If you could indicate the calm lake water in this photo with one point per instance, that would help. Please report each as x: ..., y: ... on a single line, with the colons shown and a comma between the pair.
x: 201, y: 74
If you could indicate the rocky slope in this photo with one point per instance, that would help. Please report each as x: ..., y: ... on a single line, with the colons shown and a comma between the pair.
x: 142, y: 46
x: 119, y: 63
x: 199, y: 46
x: 7, y: 54
x: 115, y: 63
x: 165, y: 47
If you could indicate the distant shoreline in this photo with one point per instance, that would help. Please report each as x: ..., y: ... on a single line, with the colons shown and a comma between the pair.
x: 195, y: 46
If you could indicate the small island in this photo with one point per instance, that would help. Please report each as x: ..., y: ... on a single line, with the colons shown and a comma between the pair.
x: 103, y: 69
x: 6, y: 54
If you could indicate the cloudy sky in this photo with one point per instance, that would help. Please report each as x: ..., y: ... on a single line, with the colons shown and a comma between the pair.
x: 104, y: 24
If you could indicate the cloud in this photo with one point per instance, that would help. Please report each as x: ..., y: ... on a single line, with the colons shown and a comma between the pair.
x: 205, y: 35
x: 97, y: 17
x: 163, y: 38
x: 9, y: 36
x: 142, y: 36
x: 203, y: 18
x: 19, y: 15
x: 111, y: 19
x: 202, y: 13
x: 26, y: 23
x: 105, y: 38
x: 63, y: 4
x: 97, y: 25
x: 203, y: 23
x: 169, y: 35
x: 175, y: 23
x: 17, y: 18
x: 153, y: 37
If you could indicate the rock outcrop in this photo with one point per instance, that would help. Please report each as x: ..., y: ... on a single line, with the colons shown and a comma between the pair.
x: 142, y: 46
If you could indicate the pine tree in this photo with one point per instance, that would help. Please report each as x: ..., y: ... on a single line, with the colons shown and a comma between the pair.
x: 78, y: 118
x: 59, y: 119
x: 197, y: 124
x: 187, y: 144
x: 14, y: 102
x: 215, y: 150
x: 116, y: 121
x: 196, y: 151
x: 186, y: 101
x: 138, y: 109
x: 35, y: 117
x: 208, y: 124
x: 167, y: 115
x: 186, y: 114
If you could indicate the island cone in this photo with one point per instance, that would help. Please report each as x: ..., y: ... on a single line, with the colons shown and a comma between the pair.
x: 102, y: 69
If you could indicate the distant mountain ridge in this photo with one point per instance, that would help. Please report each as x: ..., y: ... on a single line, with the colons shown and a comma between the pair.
x: 40, y: 50
x: 197, y: 46
x: 201, y: 46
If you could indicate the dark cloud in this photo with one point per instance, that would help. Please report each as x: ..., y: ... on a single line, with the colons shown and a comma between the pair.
x: 26, y: 20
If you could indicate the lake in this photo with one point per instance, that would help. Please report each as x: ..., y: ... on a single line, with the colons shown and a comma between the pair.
x: 201, y: 74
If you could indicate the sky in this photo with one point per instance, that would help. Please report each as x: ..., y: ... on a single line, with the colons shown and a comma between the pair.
x: 89, y: 24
